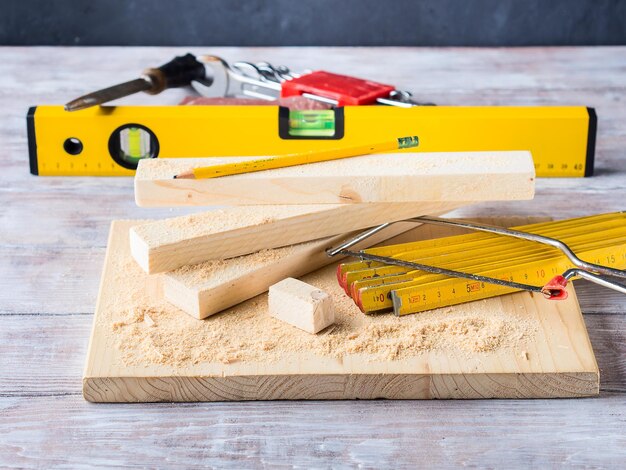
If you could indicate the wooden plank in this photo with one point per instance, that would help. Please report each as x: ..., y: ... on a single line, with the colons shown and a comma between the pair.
x: 69, y: 218
x: 207, y: 288
x: 168, y: 244
x: 367, y: 434
x: 450, y: 69
x: 39, y: 279
x: 398, y: 177
x: 42, y: 354
x: 129, y: 360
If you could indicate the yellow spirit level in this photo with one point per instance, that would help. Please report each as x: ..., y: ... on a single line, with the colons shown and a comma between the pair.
x: 110, y: 140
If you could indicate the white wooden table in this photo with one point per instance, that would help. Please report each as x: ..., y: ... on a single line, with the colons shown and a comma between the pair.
x: 52, y: 239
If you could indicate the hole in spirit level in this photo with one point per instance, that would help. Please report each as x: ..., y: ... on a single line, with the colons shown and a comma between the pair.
x: 73, y: 146
x: 132, y: 142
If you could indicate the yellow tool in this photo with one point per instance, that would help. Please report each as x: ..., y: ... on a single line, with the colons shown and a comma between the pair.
x: 282, y: 161
x: 109, y: 140
x: 423, y: 275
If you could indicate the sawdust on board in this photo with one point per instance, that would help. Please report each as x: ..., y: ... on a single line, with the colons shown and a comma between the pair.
x: 148, y: 330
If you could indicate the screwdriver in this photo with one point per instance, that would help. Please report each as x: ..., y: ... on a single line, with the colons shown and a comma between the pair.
x: 177, y: 73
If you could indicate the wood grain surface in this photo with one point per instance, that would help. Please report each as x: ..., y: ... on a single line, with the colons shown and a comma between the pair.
x: 390, y: 178
x: 54, y: 230
x: 166, y: 244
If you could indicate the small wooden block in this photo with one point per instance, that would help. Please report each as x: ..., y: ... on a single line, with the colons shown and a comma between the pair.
x: 301, y: 305
x: 391, y: 177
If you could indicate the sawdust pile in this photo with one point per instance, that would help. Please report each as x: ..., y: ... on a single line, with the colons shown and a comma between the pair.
x: 147, y: 330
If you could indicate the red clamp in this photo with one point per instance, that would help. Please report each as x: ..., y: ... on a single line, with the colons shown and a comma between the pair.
x: 555, y: 289
x: 345, y: 90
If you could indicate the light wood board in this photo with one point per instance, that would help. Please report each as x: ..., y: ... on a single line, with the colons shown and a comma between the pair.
x: 556, y: 362
x: 392, y: 177
x: 167, y: 244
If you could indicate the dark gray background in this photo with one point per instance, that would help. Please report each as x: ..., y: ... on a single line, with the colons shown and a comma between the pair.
x: 313, y: 23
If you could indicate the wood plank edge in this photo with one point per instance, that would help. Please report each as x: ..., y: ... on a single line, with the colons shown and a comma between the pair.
x: 92, y: 335
x: 139, y: 250
x: 340, y: 387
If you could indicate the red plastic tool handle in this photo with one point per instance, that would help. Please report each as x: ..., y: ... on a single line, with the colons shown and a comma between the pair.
x: 555, y: 289
x: 347, y: 91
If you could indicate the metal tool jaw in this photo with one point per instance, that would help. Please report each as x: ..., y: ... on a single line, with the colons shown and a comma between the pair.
x: 260, y: 81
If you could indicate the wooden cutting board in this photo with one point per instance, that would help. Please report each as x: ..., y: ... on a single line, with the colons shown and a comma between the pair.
x: 145, y: 350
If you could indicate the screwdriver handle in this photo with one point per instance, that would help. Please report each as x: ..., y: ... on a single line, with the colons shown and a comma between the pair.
x: 178, y: 72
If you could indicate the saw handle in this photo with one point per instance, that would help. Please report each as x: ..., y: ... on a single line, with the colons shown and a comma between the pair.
x: 555, y: 289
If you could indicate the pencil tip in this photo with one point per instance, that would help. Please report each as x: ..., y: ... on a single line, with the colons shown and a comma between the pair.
x: 185, y: 175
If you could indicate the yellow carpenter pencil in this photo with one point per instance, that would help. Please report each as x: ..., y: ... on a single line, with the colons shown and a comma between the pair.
x: 295, y: 159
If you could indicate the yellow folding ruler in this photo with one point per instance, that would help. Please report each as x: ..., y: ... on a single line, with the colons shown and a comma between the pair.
x: 423, y: 275
x: 110, y: 140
